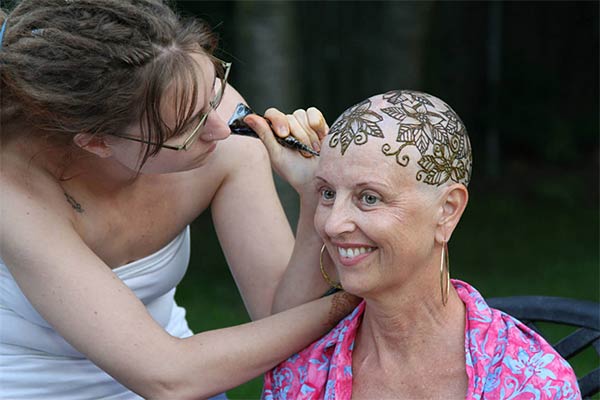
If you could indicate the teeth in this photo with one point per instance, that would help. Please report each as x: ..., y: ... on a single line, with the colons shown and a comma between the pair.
x: 353, y: 252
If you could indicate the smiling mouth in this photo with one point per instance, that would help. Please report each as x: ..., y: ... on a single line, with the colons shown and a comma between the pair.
x: 354, y: 252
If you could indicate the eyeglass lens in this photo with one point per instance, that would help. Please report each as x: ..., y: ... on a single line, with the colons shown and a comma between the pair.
x: 222, y: 79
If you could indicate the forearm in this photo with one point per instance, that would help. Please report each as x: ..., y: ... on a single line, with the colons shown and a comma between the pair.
x: 215, y: 361
x: 251, y: 225
x: 302, y: 280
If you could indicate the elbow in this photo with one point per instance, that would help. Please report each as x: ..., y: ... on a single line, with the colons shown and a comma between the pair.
x: 175, y: 389
x: 159, y: 385
x: 172, y: 377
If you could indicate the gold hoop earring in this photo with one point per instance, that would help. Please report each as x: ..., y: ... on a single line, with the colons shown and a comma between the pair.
x: 445, y: 265
x: 331, y: 283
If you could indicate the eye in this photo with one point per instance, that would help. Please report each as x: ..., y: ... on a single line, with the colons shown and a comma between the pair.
x: 369, y: 199
x: 327, y: 194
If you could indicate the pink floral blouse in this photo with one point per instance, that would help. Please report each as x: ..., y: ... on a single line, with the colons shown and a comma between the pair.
x: 504, y: 360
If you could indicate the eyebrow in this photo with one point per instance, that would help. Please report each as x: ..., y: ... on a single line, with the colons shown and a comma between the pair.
x: 380, y: 185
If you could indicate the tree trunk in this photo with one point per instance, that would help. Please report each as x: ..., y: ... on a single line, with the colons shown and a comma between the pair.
x: 266, y: 63
x: 492, y: 140
x: 404, y: 27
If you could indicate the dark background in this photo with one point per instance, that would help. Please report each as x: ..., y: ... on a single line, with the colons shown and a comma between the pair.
x: 523, y: 76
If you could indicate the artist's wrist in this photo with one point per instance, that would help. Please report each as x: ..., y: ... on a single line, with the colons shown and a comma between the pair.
x: 342, y: 304
x: 309, y: 198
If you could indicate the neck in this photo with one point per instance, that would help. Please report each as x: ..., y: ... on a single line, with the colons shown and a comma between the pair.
x: 99, y: 175
x: 405, y: 326
x: 71, y: 165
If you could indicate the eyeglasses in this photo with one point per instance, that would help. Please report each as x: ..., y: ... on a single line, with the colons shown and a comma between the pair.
x: 193, y: 135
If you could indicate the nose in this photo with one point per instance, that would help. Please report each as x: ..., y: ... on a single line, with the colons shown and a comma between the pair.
x: 339, y: 220
x: 216, y: 128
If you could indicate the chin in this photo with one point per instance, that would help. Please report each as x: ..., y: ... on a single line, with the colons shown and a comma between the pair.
x: 355, y: 288
x: 362, y: 286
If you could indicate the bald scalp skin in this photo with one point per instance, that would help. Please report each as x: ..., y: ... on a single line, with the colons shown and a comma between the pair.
x: 407, y: 120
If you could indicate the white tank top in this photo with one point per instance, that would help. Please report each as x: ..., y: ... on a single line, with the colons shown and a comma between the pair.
x: 36, y: 362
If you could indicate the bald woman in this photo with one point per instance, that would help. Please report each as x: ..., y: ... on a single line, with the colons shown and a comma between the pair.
x: 392, y: 182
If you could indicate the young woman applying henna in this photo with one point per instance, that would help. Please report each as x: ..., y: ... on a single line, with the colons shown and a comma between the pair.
x: 113, y: 120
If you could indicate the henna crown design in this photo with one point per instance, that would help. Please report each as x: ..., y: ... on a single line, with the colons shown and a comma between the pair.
x: 424, y: 122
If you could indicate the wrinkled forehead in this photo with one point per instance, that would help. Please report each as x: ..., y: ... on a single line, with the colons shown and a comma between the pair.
x: 418, y: 131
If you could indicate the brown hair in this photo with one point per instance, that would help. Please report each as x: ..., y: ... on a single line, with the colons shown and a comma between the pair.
x: 96, y: 66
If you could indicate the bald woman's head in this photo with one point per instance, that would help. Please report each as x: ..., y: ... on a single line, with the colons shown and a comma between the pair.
x: 420, y: 131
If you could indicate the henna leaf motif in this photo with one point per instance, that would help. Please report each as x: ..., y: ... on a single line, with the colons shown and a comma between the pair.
x: 395, y: 112
x: 452, y: 124
x: 435, y: 169
x: 458, y: 171
x: 394, y: 96
x: 406, y: 134
x: 441, y: 166
x: 356, y: 125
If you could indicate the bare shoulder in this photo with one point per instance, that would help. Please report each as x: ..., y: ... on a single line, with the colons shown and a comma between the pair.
x: 239, y: 152
x: 30, y: 202
x: 24, y: 185
x: 234, y: 157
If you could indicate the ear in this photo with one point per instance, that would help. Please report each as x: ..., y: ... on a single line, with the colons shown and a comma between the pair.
x: 94, y: 144
x: 453, y: 204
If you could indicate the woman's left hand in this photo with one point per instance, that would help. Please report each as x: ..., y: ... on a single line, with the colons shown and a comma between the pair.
x: 308, y: 126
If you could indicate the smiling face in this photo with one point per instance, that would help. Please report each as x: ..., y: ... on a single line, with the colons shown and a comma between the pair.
x: 376, y: 222
x: 379, y: 213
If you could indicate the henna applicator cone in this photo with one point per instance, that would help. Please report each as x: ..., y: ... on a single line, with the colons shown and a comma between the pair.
x: 239, y: 127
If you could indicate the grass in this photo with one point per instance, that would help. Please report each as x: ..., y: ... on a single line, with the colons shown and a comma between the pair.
x: 539, y: 239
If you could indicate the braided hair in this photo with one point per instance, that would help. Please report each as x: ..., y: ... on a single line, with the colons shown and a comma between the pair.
x: 96, y: 66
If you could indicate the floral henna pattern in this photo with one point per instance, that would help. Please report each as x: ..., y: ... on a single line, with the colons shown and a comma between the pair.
x: 356, y: 125
x: 439, y: 135
x: 441, y: 166
x: 424, y: 122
